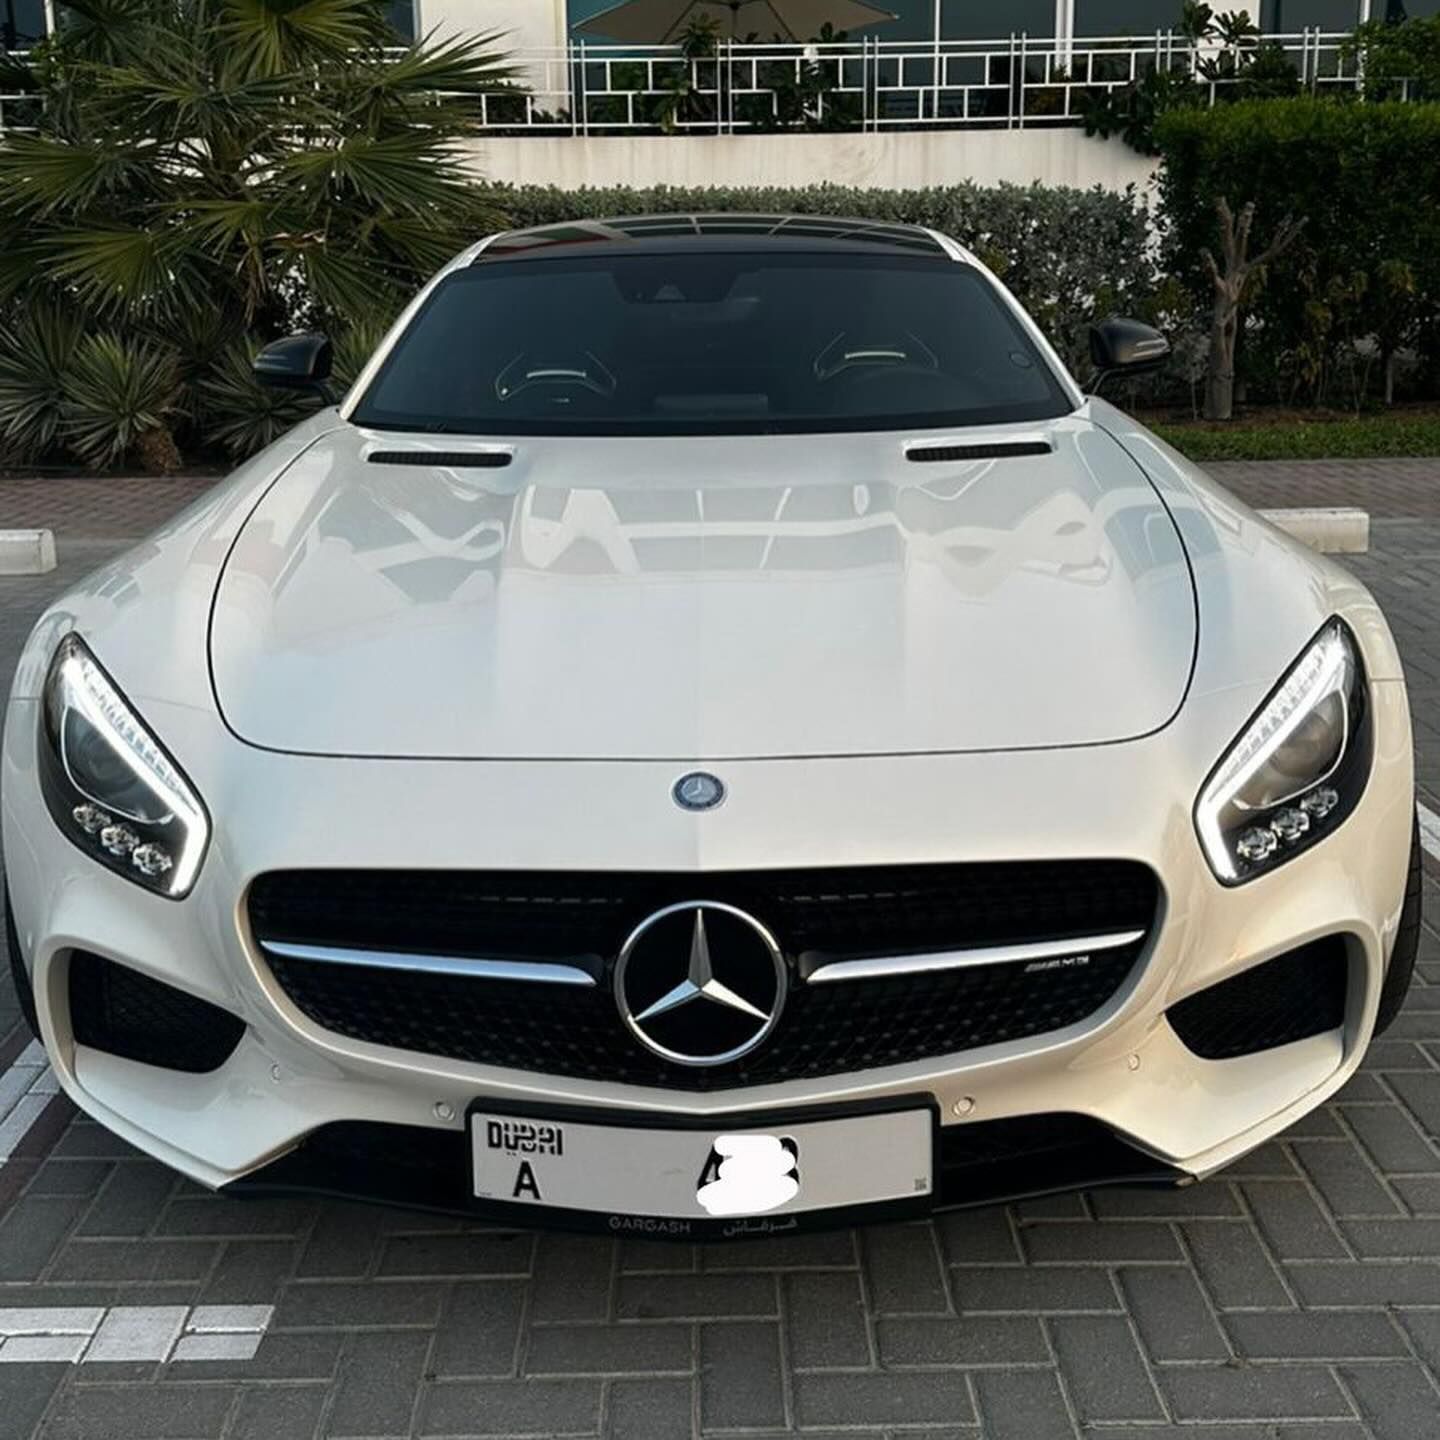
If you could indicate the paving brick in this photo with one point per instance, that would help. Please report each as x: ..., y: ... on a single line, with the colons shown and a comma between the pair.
x: 1347, y: 1185
x: 394, y: 1303
x: 1215, y: 1200
x: 33, y: 1231
x: 250, y: 1272
x: 1046, y: 1289
x: 70, y: 1177
x: 650, y: 1409
x: 156, y: 1412
x: 1171, y: 1313
x: 278, y: 1412
x: 1387, y: 1283
x: 821, y: 1249
x: 167, y: 1262
x: 609, y: 1350
x: 131, y: 1201
x: 1398, y: 1401
x: 902, y: 1266
x: 978, y: 1237
x: 1314, y: 1335
x: 825, y: 1320
x: 968, y: 1340
x: 908, y: 1397
x: 379, y: 1378
x: 1103, y: 1369
x: 219, y: 1217
x: 696, y: 1297
x: 1097, y: 1243
x: 1394, y: 1239
x: 1392, y: 1138
x: 1421, y: 1096
x: 28, y: 1390
x: 479, y: 1332
x: 450, y: 1255
x: 572, y: 1276
x: 1224, y: 1392
x: 511, y: 1407
x: 1233, y: 1265
x: 740, y: 1384
x: 1292, y: 1221
x: 346, y: 1245
x: 1022, y: 1405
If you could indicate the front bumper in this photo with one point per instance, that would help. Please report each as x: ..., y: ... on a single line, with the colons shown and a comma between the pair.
x: 267, y: 1116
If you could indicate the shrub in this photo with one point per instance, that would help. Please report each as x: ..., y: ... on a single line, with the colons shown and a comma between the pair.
x: 1070, y: 256
x: 1363, y: 281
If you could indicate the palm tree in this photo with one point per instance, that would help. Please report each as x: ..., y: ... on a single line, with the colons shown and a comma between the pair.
x: 207, y: 174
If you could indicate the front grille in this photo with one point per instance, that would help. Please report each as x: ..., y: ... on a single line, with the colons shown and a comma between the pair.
x: 1292, y: 997
x: 824, y: 1030
x: 119, y: 1010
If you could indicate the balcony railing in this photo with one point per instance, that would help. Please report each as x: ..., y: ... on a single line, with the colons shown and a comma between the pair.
x: 1018, y: 82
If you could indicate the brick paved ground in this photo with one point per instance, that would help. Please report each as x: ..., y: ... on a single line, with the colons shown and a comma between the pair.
x: 1296, y: 1298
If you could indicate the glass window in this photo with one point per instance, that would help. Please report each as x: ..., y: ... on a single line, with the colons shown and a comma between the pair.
x: 22, y: 23
x: 1287, y: 17
x: 401, y: 15
x: 966, y: 20
x: 1127, y: 17
x: 685, y: 342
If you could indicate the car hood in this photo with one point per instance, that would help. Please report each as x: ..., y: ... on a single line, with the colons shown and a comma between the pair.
x: 702, y: 599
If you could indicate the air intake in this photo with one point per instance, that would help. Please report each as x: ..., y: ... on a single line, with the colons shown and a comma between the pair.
x: 443, y: 459
x: 992, y: 450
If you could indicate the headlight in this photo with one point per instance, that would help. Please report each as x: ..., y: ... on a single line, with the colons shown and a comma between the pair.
x: 109, y: 785
x: 1298, y: 768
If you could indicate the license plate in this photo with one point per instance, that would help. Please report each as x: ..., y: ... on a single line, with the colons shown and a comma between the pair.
x: 730, y: 1172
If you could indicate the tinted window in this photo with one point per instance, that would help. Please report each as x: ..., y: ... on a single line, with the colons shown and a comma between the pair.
x: 711, y: 343
x: 1127, y: 17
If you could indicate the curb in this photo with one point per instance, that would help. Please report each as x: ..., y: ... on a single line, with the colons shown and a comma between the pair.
x: 1337, y: 530
x: 27, y: 552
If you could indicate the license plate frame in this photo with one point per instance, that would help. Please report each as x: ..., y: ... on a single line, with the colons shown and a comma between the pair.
x: 907, y: 1125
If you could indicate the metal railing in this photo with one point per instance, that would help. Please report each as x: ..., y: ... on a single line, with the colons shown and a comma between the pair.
x: 1013, y: 83
x: 866, y: 84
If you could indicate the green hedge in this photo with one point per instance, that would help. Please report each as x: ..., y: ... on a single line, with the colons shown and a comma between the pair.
x: 1069, y: 255
x: 1363, y: 282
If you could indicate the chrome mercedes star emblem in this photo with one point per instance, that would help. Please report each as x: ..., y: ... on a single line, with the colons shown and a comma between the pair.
x: 729, y: 989
x: 698, y: 791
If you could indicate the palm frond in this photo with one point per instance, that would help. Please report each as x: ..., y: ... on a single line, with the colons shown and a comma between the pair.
x: 241, y: 415
x: 121, y: 268
x: 271, y: 37
x: 408, y: 173
x: 39, y: 175
x: 118, y: 393
x: 35, y: 357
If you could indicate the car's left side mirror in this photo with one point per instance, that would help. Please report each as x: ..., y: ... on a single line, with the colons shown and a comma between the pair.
x: 298, y: 362
x: 1125, y: 347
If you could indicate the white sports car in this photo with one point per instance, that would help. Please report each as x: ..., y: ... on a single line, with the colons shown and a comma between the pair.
x: 717, y: 733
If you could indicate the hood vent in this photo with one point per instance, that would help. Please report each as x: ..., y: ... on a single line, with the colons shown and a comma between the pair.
x: 984, y: 450
x: 443, y: 459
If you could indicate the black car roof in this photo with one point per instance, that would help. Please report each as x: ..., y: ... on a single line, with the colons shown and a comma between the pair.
x: 723, y: 231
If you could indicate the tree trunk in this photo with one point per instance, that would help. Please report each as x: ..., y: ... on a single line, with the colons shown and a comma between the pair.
x: 1389, y: 377
x: 1220, y: 373
x: 157, y: 452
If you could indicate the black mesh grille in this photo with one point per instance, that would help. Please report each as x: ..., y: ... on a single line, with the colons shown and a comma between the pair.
x: 994, y: 450
x: 824, y: 1030
x: 1292, y: 997
x: 118, y: 1010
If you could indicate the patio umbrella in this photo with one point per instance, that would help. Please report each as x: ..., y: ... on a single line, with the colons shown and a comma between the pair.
x: 659, y: 22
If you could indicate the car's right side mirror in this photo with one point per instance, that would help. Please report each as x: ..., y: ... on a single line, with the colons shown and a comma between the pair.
x: 1125, y: 347
x: 298, y: 362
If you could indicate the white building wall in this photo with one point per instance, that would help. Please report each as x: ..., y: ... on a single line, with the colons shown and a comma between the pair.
x: 893, y: 160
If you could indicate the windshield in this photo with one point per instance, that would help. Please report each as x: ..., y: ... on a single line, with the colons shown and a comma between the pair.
x: 711, y: 343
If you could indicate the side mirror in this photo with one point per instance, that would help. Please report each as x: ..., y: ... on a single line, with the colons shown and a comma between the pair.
x: 298, y: 362
x: 1125, y: 347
